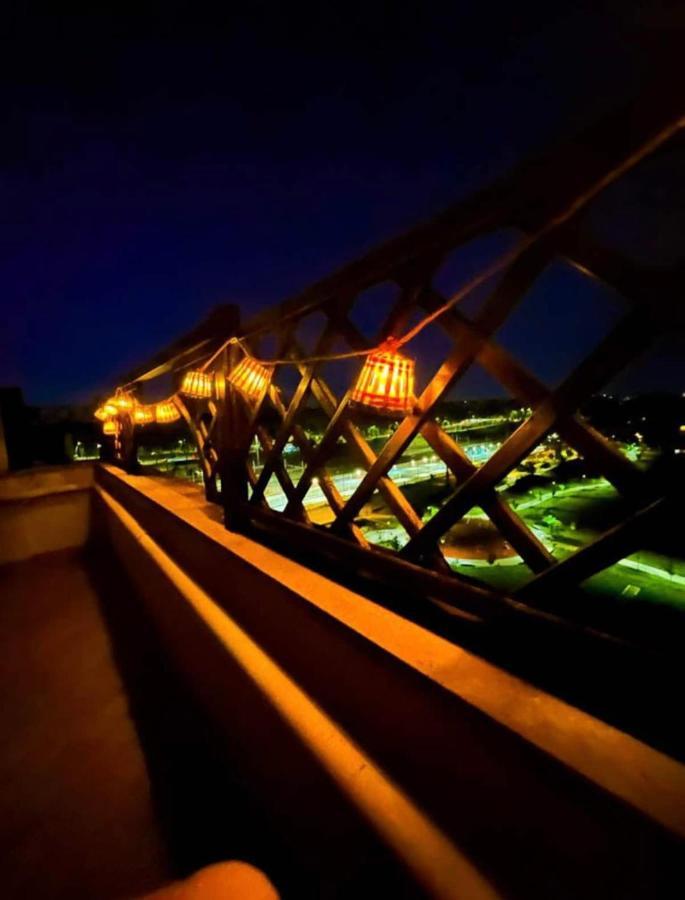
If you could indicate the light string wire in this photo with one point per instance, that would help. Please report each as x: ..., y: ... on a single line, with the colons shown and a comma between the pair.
x: 502, y: 262
x: 510, y: 257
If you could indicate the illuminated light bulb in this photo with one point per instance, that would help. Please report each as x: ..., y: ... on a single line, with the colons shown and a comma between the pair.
x: 100, y: 413
x: 110, y: 427
x: 250, y: 378
x: 166, y: 412
x: 143, y: 415
x: 386, y: 381
x: 122, y: 401
x: 110, y: 408
x: 197, y: 384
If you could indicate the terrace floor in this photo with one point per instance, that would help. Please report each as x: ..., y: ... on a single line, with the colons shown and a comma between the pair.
x: 112, y: 780
x: 76, y: 817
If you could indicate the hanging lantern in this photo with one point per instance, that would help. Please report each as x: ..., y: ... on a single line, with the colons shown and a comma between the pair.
x: 110, y: 427
x: 143, y: 415
x: 100, y: 413
x: 197, y: 384
x: 386, y: 381
x: 122, y: 401
x: 166, y: 412
x: 110, y: 408
x: 250, y: 378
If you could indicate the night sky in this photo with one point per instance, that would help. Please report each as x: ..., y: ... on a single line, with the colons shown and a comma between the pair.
x: 158, y: 163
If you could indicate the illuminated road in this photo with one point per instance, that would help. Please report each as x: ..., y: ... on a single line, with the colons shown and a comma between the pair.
x: 407, y: 472
x: 163, y: 460
x: 421, y: 468
x: 417, y: 470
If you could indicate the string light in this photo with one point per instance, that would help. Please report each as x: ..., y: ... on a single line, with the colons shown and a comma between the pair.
x: 197, y: 384
x: 122, y: 401
x: 143, y: 415
x: 250, y: 377
x: 386, y: 381
x: 166, y: 412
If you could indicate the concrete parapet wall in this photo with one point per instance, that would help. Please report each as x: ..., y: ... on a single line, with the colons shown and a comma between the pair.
x: 385, y: 754
x: 44, y: 510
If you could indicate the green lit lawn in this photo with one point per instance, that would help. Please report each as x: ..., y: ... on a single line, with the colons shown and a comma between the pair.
x: 583, y: 511
x: 503, y: 578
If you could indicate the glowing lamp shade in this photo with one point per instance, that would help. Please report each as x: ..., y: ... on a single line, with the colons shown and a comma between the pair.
x: 386, y: 381
x: 122, y: 401
x: 109, y: 427
x: 143, y: 415
x: 100, y: 413
x: 250, y: 378
x: 166, y: 412
x: 197, y: 384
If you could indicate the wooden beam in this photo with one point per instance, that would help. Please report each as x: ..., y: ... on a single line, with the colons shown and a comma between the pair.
x: 612, y: 546
x: 630, y: 337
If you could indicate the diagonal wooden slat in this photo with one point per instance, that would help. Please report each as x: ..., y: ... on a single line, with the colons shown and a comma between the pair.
x: 659, y: 289
x: 410, y: 288
x: 455, y: 591
x: 533, y: 198
x: 514, y: 529
x: 340, y: 423
x: 397, y: 320
x: 198, y: 437
x: 525, y: 387
x: 630, y: 337
x: 393, y: 496
x: 612, y: 546
x: 525, y: 198
x: 399, y: 505
x: 517, y: 280
x: 326, y: 483
x: 529, y: 547
x: 279, y: 470
x: 322, y: 346
x: 295, y: 508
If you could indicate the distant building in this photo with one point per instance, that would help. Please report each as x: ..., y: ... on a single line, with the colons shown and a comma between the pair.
x: 15, y: 440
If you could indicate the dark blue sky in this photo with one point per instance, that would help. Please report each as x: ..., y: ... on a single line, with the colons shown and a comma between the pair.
x: 156, y: 164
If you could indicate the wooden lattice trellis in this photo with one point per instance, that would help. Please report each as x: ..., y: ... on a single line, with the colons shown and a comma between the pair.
x: 225, y: 428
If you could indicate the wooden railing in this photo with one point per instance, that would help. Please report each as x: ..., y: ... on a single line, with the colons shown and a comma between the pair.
x: 325, y: 319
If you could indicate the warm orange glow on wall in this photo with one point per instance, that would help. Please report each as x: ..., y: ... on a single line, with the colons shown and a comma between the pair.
x: 166, y: 412
x: 250, y: 378
x: 143, y: 415
x: 386, y: 381
x: 110, y: 427
x: 197, y: 384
